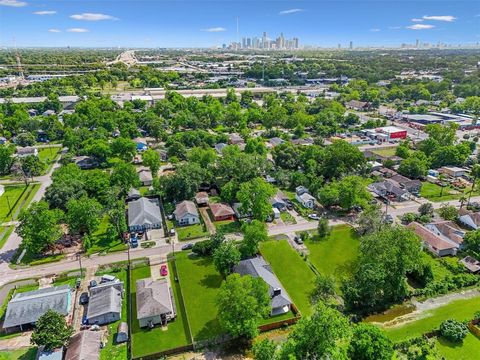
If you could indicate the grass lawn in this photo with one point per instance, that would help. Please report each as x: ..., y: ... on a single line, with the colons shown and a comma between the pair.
x: 20, y: 354
x: 191, y: 232
x: 32, y: 260
x: 331, y: 256
x: 228, y: 226
x: 385, y: 152
x: 458, y: 351
x: 200, y: 283
x: 150, y: 341
x: 15, y: 198
x: 105, y: 239
x: 112, y: 351
x: 48, y: 155
x: 287, y: 218
x: 460, y: 310
x: 432, y: 192
x: 292, y: 271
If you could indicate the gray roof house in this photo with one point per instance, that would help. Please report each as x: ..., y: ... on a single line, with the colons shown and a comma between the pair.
x: 186, y: 213
x: 469, y: 218
x: 277, y: 202
x: 219, y: 147
x: 306, y: 200
x: 145, y: 176
x: 105, y: 304
x: 25, y: 308
x: 144, y: 214
x: 155, y: 304
x: 258, y: 267
x: 55, y: 354
x: 84, y: 345
x: 389, y: 189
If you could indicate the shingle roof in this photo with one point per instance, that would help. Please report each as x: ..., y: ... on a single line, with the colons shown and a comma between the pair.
x: 84, y: 345
x: 221, y: 210
x: 258, y: 267
x: 105, y: 298
x: 144, y: 211
x: 145, y: 175
x: 201, y: 197
x: 153, y: 298
x: 429, y: 237
x: 306, y: 197
x: 184, y: 208
x: 27, y: 307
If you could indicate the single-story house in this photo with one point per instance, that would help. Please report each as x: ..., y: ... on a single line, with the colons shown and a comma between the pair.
x: 235, y: 139
x: 201, y: 198
x: 48, y: 113
x: 219, y: 147
x: 105, y: 303
x: 26, y: 151
x: 389, y: 190
x: 25, y: 308
x: 222, y: 212
x: 278, y: 203
x: 144, y: 214
x: 358, y: 105
x: 436, y: 243
x: 306, y: 200
x: 471, y: 264
x: 453, y: 171
x: 412, y: 186
x: 84, y: 345
x: 133, y: 194
x: 145, y: 176
x: 155, y: 304
x: 448, y: 229
x: 275, y: 141
x: 469, y: 218
x: 85, y: 162
x: 186, y: 213
x: 258, y: 267
x: 299, y: 190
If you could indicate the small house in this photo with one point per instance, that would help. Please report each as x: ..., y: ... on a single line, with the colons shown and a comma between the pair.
x: 219, y: 148
x: 222, y: 212
x: 358, y: 105
x: 133, y: 194
x: 437, y: 244
x: 155, y: 304
x: 453, y: 171
x: 300, y: 190
x: 26, y: 151
x: 146, y: 178
x: 201, y: 198
x: 275, y: 141
x: 105, y: 303
x: 278, y: 203
x: 470, y: 219
x: 235, y: 139
x: 306, y: 200
x: 84, y: 345
x: 55, y: 354
x: 471, y: 264
x: 186, y: 213
x: 85, y: 162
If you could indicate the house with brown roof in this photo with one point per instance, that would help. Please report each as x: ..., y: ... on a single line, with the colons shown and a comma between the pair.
x: 186, y: 213
x: 84, y: 345
x: 472, y: 264
x: 222, y: 212
x: 155, y: 304
x: 358, y: 105
x: 449, y: 230
x: 437, y: 244
x: 201, y: 198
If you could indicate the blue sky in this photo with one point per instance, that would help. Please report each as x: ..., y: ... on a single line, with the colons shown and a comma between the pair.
x: 158, y: 23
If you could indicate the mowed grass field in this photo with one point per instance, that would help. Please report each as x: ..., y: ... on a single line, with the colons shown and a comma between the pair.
x: 292, y: 271
x: 147, y: 341
x: 468, y: 349
x: 461, y: 310
x: 200, y: 283
x: 332, y: 255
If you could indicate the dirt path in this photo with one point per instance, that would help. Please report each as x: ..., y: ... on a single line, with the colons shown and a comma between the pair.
x: 208, y: 222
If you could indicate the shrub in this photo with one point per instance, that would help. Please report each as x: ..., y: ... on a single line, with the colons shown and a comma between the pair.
x: 203, y: 248
x: 453, y: 330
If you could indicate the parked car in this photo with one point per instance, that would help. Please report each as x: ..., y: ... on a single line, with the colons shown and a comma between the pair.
x: 163, y: 270
x: 92, y: 283
x: 172, y: 232
x: 298, y: 240
x: 78, y: 282
x: 83, y: 298
x: 187, y: 246
x: 134, y: 242
x: 314, y: 217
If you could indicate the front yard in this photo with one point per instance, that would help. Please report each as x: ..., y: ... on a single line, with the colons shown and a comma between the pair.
x: 191, y: 232
x: 331, y: 256
x: 48, y: 155
x: 150, y: 341
x: 294, y: 273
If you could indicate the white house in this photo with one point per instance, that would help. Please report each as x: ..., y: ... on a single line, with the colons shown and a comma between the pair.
x: 306, y: 200
x: 186, y: 213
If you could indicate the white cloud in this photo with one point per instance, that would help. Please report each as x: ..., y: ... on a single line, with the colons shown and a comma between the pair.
x: 215, y: 29
x: 375, y: 30
x: 447, y: 18
x: 54, y: 30
x: 45, y: 12
x: 420, y: 27
x: 77, y: 30
x: 12, y: 3
x: 417, y: 20
x: 290, y: 11
x: 92, y: 17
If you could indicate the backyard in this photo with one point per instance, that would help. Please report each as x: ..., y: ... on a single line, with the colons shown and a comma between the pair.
x: 20, y: 354
x: 150, y: 341
x: 294, y: 273
x: 458, y: 351
x: 391, y: 151
x: 332, y: 255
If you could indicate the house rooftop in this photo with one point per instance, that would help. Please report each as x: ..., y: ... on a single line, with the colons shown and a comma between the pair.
x: 219, y: 209
x: 84, y: 345
x: 184, y: 208
x: 104, y: 299
x: 153, y: 298
x: 144, y: 211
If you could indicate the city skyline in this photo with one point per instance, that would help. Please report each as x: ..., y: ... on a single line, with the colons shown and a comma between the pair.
x: 214, y: 23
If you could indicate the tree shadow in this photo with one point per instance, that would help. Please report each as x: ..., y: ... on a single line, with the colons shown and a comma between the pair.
x: 212, y: 281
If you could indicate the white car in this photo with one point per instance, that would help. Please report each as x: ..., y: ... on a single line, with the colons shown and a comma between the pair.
x: 314, y: 217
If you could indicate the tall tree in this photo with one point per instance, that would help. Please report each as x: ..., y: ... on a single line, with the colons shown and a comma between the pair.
x: 255, y: 197
x: 124, y: 176
x: 151, y: 158
x: 253, y: 234
x: 51, y: 331
x: 225, y: 257
x: 369, y: 343
x: 83, y: 215
x: 123, y: 148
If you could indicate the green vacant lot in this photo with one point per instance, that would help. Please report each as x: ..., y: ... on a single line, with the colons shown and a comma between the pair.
x: 460, y: 310
x: 48, y: 155
x: 331, y: 256
x: 150, y: 341
x: 294, y: 274
x: 14, y: 199
x: 200, y: 283
x: 433, y: 192
x: 459, y: 351
x: 105, y: 239
x: 191, y: 232
x: 391, y: 151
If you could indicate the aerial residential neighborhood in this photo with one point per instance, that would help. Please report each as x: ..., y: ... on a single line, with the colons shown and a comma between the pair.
x: 254, y: 181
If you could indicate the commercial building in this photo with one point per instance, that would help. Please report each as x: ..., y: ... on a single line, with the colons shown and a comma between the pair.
x: 393, y: 132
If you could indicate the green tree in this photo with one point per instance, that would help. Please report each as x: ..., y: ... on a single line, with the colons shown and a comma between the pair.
x: 348, y: 192
x: 323, y: 229
x: 453, y: 330
x: 370, y: 220
x: 6, y: 158
x: 253, y: 234
x: 448, y: 212
x: 124, y: 176
x: 324, y: 289
x: 471, y: 242
x: 324, y: 335
x: 225, y: 257
x: 83, y: 215
x: 255, y: 197
x: 242, y: 302
x: 426, y: 209
x: 369, y: 343
x: 123, y: 148
x: 415, y: 166
x: 31, y: 165
x: 264, y: 349
x: 51, y: 331
x: 151, y: 159
x: 39, y: 227
x: 475, y: 173
x: 116, y: 215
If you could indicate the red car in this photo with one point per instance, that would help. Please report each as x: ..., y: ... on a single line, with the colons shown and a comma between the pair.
x: 163, y: 270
